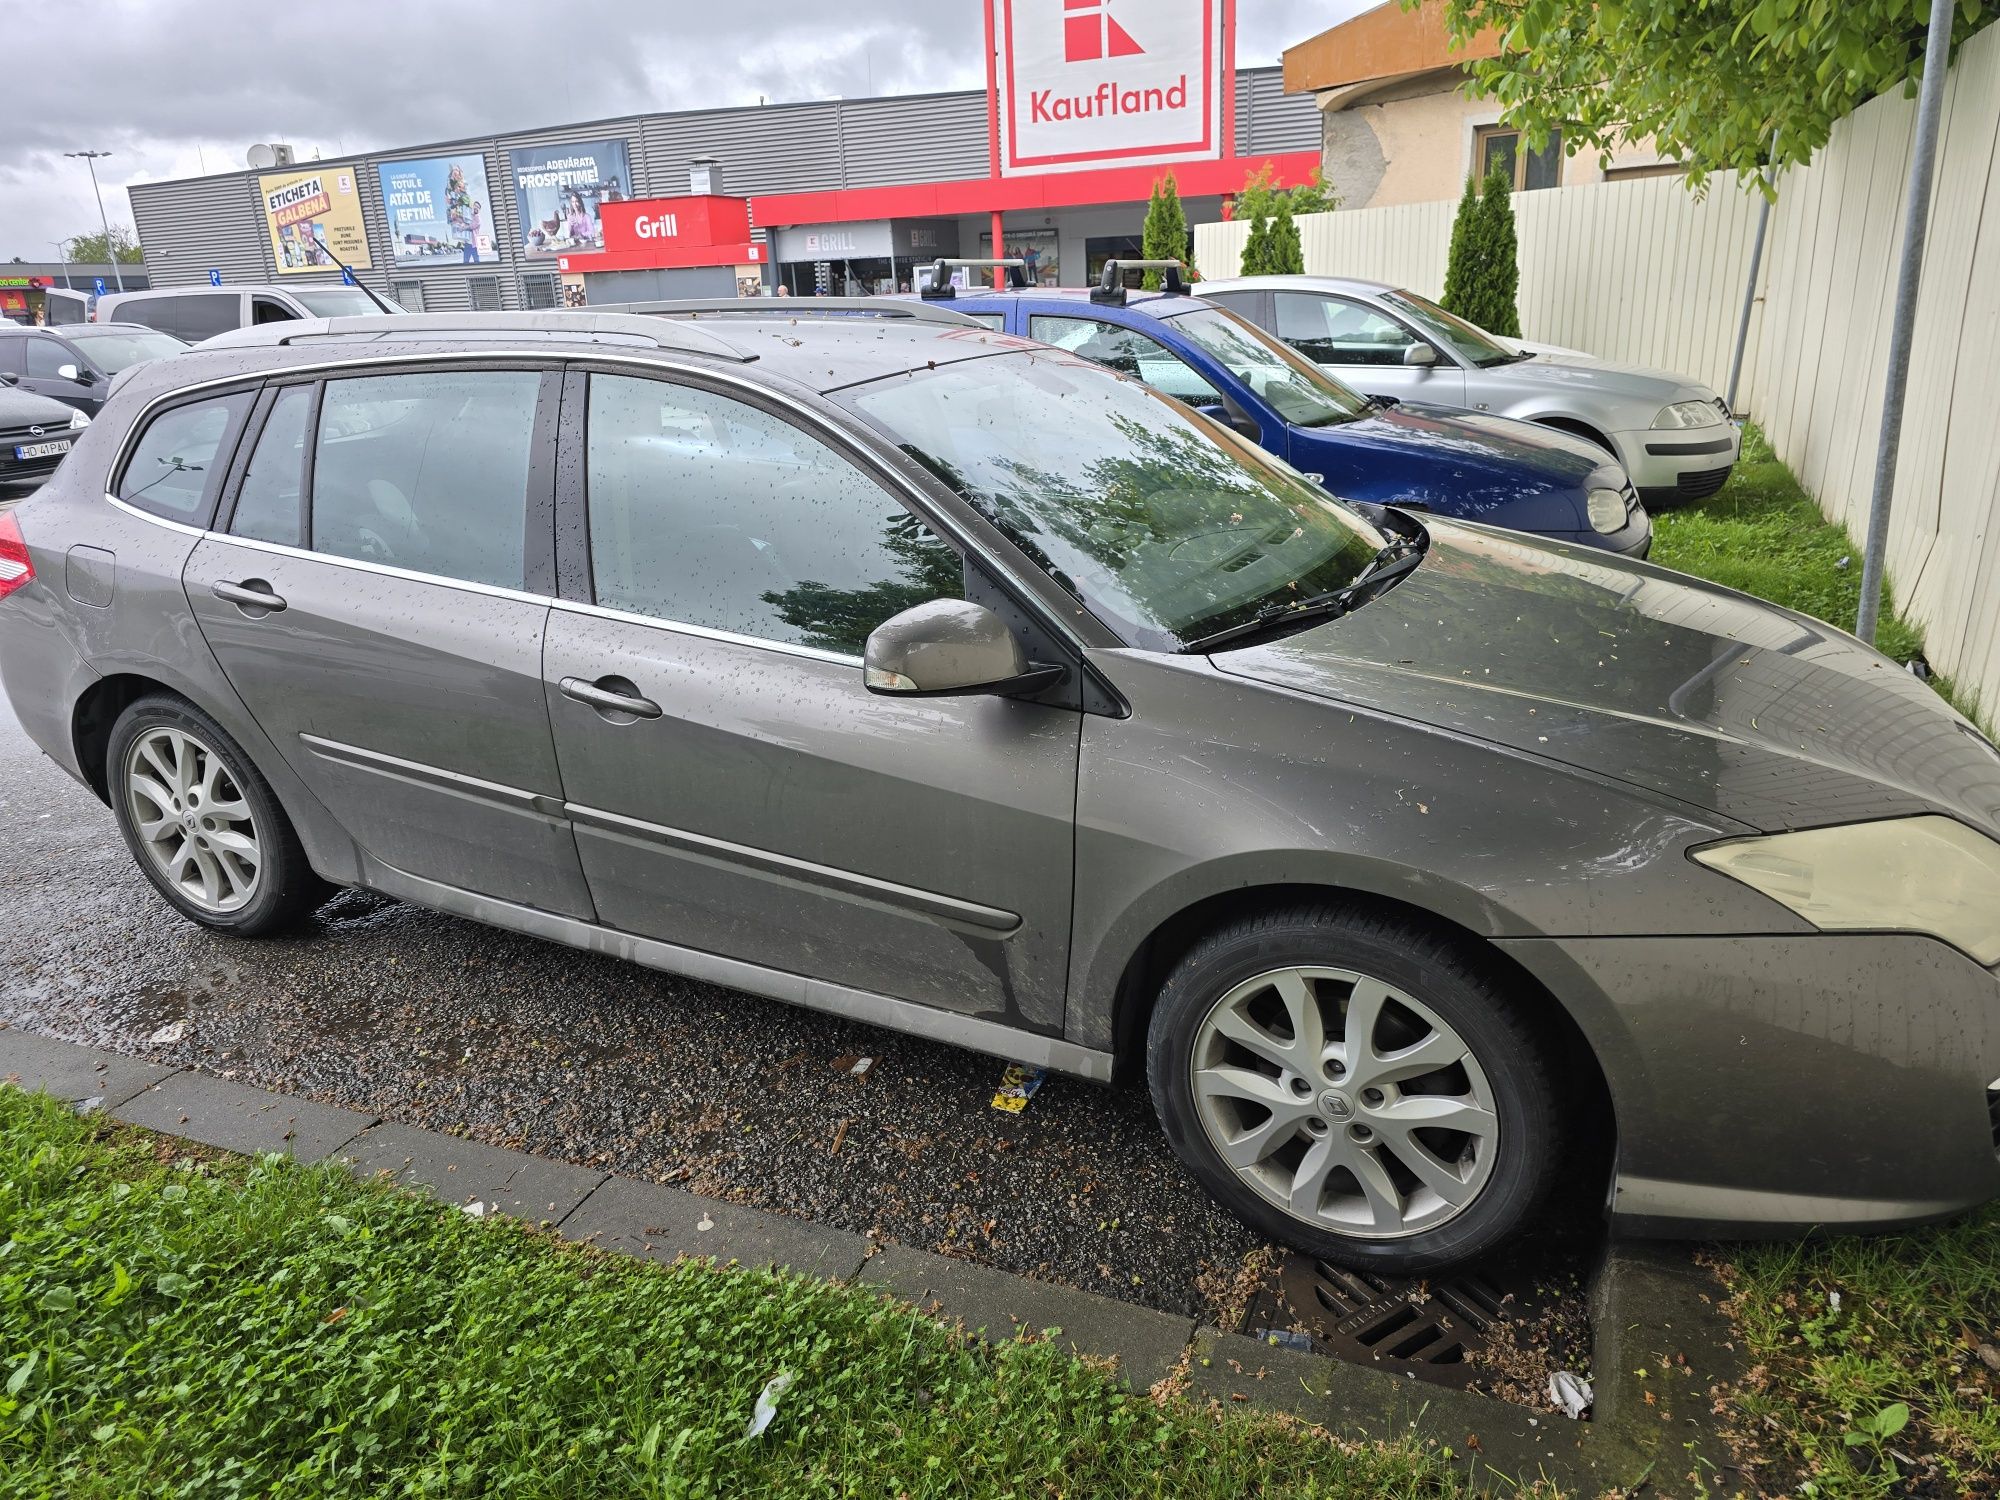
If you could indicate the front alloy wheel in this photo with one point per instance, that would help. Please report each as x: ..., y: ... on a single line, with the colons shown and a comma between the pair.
x: 192, y: 820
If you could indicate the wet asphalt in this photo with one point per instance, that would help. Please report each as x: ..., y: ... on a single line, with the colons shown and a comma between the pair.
x: 449, y: 1025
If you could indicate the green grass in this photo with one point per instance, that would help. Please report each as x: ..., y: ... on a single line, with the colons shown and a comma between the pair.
x: 215, y: 1327
x: 1831, y: 1383
x: 1912, y: 1310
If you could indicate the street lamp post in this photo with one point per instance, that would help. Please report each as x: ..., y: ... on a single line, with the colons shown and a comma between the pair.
x: 90, y: 159
x: 62, y: 249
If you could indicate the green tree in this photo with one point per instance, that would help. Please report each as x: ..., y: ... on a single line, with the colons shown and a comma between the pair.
x: 1165, y: 236
x: 1288, y: 253
x: 1257, y: 250
x: 1501, y: 272
x: 1261, y: 195
x: 1463, y: 268
x: 1717, y: 85
x: 94, y: 247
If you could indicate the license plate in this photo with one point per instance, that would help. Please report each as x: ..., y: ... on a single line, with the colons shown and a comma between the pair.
x: 41, y: 450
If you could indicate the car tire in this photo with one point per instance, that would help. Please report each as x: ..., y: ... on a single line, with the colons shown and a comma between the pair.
x: 202, y: 823
x: 1328, y: 1160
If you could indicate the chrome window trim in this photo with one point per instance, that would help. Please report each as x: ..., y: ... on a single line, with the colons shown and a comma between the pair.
x: 871, y: 464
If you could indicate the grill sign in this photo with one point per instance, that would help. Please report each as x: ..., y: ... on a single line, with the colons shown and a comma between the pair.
x: 1082, y: 84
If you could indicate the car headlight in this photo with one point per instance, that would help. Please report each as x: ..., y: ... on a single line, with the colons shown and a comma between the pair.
x: 78, y: 419
x: 1688, y: 414
x: 1927, y: 874
x: 1607, y: 510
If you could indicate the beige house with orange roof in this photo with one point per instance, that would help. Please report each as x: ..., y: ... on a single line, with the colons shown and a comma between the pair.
x: 1398, y: 126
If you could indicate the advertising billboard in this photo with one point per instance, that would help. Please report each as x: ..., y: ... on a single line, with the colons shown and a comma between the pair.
x: 310, y: 212
x: 560, y: 192
x: 1082, y: 84
x: 438, y: 210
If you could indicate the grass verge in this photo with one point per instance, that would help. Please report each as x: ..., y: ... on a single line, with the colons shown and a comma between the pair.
x: 1868, y: 1377
x: 1764, y: 535
x: 203, y: 1325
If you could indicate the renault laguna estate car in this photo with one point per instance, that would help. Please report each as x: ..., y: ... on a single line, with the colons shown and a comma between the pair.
x: 900, y: 668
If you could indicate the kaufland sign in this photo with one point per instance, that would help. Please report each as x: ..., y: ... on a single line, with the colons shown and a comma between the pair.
x: 1081, y: 84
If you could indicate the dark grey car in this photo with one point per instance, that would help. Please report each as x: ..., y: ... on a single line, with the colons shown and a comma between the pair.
x: 899, y: 668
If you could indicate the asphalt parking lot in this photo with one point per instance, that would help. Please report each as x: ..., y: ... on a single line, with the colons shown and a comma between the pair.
x: 439, y: 1022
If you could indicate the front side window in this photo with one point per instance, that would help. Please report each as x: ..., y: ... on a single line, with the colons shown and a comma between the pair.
x: 1164, y: 525
x: 707, y: 511
x: 1470, y: 342
x: 1335, y: 331
x: 427, y: 472
x: 268, y: 504
x: 1129, y: 352
x: 1299, y: 391
x: 46, y: 358
x: 176, y: 466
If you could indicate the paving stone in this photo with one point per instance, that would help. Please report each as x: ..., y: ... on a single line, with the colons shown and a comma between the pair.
x: 1000, y: 1306
x: 67, y: 1071
x: 464, y: 1172
x: 663, y: 1223
x: 236, y: 1117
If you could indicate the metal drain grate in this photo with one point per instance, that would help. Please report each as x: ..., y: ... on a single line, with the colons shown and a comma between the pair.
x: 1422, y: 1328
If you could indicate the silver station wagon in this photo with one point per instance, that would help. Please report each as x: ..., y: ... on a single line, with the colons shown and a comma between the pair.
x: 885, y: 664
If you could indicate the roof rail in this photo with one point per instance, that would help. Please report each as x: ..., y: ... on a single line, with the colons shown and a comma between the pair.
x: 576, y: 327
x: 939, y: 288
x: 1111, y: 290
x: 794, y: 307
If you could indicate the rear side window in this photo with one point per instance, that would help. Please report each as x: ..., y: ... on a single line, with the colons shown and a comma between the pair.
x: 269, y: 505
x: 192, y: 315
x: 427, y: 472
x: 177, y: 464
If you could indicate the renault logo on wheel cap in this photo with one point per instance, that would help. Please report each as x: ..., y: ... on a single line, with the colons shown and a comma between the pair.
x: 1336, y: 1106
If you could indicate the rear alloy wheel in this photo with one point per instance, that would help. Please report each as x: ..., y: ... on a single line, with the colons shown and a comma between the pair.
x: 1353, y: 1086
x: 203, y: 825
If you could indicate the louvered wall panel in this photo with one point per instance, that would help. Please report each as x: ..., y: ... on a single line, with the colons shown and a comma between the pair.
x: 1268, y: 120
x: 782, y: 148
x: 193, y: 224
x: 928, y: 138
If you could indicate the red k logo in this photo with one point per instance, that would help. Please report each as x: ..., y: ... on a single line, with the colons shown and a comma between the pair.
x: 1090, y: 34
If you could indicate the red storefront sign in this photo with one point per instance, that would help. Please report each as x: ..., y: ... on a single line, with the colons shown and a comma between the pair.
x: 668, y: 233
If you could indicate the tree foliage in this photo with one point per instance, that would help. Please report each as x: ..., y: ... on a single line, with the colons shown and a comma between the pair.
x: 1165, y: 236
x: 1261, y: 195
x: 93, y: 247
x: 1717, y: 85
x: 1482, y: 278
x: 1274, y: 247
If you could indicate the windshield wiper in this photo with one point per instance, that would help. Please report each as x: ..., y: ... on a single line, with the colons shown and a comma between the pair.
x: 1390, y: 563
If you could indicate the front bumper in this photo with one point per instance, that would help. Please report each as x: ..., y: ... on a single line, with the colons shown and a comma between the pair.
x: 1767, y: 1085
x: 1671, y: 466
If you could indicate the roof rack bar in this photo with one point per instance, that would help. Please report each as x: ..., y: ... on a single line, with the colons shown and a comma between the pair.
x: 1111, y: 290
x: 938, y: 288
x: 794, y: 307
x: 554, y: 324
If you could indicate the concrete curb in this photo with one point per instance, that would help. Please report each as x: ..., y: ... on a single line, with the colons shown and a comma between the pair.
x: 1661, y: 1341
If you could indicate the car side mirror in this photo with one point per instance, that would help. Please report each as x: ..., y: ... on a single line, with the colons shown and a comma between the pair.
x: 949, y: 648
x: 1420, y: 354
x: 1236, y: 421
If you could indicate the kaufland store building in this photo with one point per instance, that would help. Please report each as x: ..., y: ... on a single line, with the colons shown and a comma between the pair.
x: 1088, y: 102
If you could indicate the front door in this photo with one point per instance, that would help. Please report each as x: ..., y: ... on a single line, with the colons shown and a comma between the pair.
x: 1366, y: 348
x: 735, y: 788
x: 372, y: 595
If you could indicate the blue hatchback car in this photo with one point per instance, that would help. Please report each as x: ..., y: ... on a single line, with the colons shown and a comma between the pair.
x: 1456, y: 463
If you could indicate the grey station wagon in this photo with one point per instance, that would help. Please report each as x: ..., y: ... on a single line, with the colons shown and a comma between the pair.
x: 892, y: 666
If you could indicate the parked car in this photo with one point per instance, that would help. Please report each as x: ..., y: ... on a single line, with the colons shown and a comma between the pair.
x: 1453, y: 463
x: 1674, y: 436
x: 195, y: 313
x: 946, y: 682
x: 35, y: 435
x: 74, y: 364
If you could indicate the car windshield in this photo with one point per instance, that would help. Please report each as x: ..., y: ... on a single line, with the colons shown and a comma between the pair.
x: 1472, y: 344
x: 339, y: 302
x: 1164, y: 525
x: 1296, y: 388
x: 112, y: 352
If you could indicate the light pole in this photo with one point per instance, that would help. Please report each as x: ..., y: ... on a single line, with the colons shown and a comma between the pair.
x: 90, y: 159
x: 62, y: 249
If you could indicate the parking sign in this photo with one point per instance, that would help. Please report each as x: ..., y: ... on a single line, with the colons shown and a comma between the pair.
x: 214, y: 277
x: 100, y: 286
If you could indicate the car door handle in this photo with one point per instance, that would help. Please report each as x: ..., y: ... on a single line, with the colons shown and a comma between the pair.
x: 253, y: 593
x: 619, y: 698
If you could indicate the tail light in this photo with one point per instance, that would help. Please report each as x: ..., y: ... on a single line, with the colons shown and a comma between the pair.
x: 17, y: 569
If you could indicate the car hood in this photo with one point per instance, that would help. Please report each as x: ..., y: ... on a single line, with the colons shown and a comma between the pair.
x: 1498, y: 446
x: 20, y: 408
x: 1693, y: 692
x: 1569, y: 369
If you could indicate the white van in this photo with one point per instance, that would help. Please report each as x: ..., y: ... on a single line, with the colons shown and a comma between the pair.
x: 195, y: 313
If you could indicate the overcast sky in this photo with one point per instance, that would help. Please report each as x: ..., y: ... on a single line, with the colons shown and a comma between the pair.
x: 177, y: 87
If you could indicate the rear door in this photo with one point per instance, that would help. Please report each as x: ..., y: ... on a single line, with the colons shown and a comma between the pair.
x: 734, y: 786
x: 377, y: 590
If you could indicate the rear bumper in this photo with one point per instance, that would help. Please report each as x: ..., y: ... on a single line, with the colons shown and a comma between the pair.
x: 1767, y: 1085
